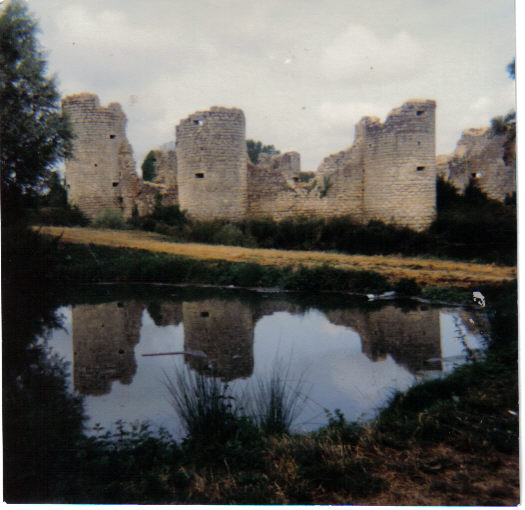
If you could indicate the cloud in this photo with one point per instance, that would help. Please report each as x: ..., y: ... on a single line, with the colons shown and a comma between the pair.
x: 357, y: 54
x: 344, y: 116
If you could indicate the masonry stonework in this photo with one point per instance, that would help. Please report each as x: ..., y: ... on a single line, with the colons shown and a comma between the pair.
x: 101, y: 174
x: 482, y: 157
x: 389, y: 172
x: 211, y: 164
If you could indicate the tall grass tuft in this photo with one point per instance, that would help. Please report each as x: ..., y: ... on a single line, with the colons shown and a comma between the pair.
x: 209, y: 412
x: 275, y: 403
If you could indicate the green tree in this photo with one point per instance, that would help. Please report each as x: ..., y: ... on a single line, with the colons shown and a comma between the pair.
x: 255, y: 148
x: 34, y: 134
x: 148, y: 167
x: 56, y: 194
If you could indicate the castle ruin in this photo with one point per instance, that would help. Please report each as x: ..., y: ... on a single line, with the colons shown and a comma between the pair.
x: 388, y: 174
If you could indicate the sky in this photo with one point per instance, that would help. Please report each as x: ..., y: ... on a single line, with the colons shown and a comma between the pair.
x: 303, y: 71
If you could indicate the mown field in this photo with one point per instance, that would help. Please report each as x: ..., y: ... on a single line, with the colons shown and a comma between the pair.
x: 425, y: 271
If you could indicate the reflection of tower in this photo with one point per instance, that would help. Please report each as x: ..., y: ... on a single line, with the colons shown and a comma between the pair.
x: 104, y: 338
x: 411, y: 337
x: 223, y: 330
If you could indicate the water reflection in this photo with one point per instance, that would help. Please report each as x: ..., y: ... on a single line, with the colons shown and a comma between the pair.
x: 104, y: 340
x: 353, y: 357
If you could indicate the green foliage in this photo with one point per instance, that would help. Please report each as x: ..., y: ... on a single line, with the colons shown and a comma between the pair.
x: 447, y: 294
x: 407, y: 287
x: 33, y: 131
x: 168, y: 220
x: 68, y: 216
x: 472, y: 226
x: 255, y: 148
x: 109, y: 218
x: 325, y: 186
x: 306, y: 176
x: 230, y: 235
x: 148, y: 166
x: 56, y: 194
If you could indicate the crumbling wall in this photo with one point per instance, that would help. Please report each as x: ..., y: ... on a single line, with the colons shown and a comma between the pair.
x: 101, y: 172
x: 289, y: 163
x: 387, y: 174
x: 212, y: 164
x: 481, y: 156
x: 399, y: 183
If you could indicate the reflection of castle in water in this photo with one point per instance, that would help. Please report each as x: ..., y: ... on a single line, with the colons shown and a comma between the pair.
x: 224, y: 331
x: 104, y: 336
x: 104, y: 339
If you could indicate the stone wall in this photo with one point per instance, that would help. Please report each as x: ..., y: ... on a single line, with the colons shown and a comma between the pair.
x: 388, y: 174
x: 212, y: 164
x: 399, y: 183
x: 101, y: 174
x: 481, y: 156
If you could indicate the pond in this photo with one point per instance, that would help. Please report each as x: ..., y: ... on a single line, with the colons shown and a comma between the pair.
x: 343, y: 352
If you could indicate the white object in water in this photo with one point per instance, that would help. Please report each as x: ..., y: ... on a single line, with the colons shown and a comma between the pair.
x: 478, y: 298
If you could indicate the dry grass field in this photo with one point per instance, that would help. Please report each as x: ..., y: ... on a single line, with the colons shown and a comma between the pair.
x: 426, y: 271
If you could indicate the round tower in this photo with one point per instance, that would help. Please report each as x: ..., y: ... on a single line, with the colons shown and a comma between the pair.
x: 101, y: 172
x: 212, y: 164
x: 400, y: 165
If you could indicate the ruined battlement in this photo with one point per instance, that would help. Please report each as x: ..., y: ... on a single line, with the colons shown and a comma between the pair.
x: 101, y: 173
x: 485, y: 158
x: 388, y: 173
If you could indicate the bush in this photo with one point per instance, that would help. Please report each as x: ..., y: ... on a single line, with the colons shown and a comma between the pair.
x: 407, y: 287
x: 109, y: 218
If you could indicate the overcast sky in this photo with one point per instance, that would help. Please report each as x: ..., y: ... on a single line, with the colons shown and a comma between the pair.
x: 303, y: 71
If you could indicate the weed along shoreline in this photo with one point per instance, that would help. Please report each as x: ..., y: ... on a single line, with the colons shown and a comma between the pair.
x: 424, y: 271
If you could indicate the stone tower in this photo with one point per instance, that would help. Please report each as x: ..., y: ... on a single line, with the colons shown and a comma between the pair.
x: 101, y: 172
x: 212, y: 164
x: 399, y: 180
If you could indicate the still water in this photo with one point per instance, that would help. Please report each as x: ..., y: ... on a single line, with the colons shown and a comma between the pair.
x: 350, y: 354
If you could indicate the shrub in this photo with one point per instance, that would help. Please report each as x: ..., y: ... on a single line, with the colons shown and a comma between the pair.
x: 109, y: 218
x: 407, y: 287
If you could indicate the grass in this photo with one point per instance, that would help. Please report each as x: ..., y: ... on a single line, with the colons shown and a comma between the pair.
x: 423, y: 271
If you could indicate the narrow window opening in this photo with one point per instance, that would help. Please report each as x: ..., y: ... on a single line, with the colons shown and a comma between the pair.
x: 296, y: 179
x: 419, y: 143
x: 205, y: 314
x: 120, y: 200
x: 112, y: 137
x: 96, y: 165
x: 420, y: 112
x: 121, y: 351
x: 115, y: 184
x: 199, y: 175
x: 420, y: 168
x: 198, y: 122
